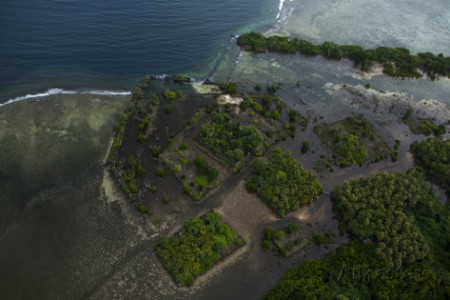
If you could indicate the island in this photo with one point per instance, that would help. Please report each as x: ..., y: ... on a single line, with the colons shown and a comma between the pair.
x: 178, y: 150
x: 396, y: 62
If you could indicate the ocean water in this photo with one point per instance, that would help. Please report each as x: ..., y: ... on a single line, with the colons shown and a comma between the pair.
x: 76, y: 61
x: 69, y: 66
x: 112, y: 44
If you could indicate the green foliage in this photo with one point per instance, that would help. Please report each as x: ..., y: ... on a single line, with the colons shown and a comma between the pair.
x: 279, y: 235
x: 304, y: 282
x: 143, y: 85
x: 402, y: 217
x: 165, y: 200
x: 396, y: 144
x: 128, y: 180
x: 172, y: 95
x: 352, y: 273
x: 200, y: 244
x: 394, y: 156
x: 378, y: 208
x: 141, y: 138
x: 168, y: 109
x: 425, y: 127
x: 296, y: 117
x: 272, y: 89
x: 353, y: 140
x: 292, y: 228
x: 181, y: 78
x: 160, y: 171
x: 144, y: 122
x: 140, y: 171
x: 229, y: 88
x: 155, y: 150
x: 266, y: 106
x: 305, y: 147
x: 137, y: 94
x: 434, y: 156
x: 398, y: 62
x: 226, y: 137
x: 201, y: 181
x: 258, y: 87
x: 318, y: 238
x: 204, y: 176
x: 282, y: 182
x: 144, y: 209
x: 205, y: 170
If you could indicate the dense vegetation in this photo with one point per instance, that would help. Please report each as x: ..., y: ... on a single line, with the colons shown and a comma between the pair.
x: 128, y: 177
x: 378, y: 208
x: 200, y: 244
x: 353, y: 273
x: 282, y: 182
x: 271, y: 107
x: 266, y: 106
x: 397, y: 62
x: 229, y: 139
x: 424, y: 126
x: 405, y: 253
x: 229, y: 88
x: 434, y: 155
x: 353, y: 140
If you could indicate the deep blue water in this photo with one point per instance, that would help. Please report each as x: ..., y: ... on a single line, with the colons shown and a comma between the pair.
x: 112, y: 44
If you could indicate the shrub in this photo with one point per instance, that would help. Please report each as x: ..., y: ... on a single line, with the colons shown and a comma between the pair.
x: 143, y: 209
x: 272, y: 89
x: 156, y: 150
x: 168, y: 109
x: 229, y: 88
x: 305, y: 147
x: 171, y: 95
x: 141, y: 138
x: 160, y: 171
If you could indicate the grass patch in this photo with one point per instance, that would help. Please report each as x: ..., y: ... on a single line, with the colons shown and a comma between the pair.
x: 406, y: 257
x: 201, y: 181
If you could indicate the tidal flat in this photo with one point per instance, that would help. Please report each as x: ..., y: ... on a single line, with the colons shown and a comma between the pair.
x: 242, y: 210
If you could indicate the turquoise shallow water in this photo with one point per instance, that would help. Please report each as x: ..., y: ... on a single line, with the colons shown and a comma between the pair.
x: 112, y: 44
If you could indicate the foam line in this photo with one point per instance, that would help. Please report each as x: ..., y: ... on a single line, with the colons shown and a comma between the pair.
x: 57, y: 91
x: 280, y: 7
